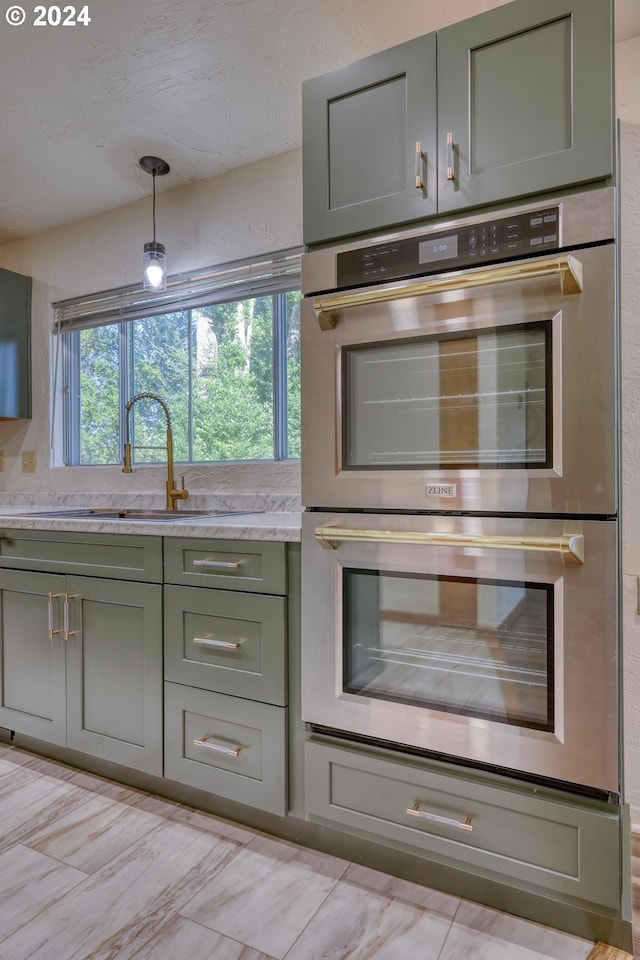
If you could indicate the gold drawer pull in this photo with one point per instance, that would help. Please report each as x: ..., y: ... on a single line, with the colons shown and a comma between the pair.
x: 421, y: 159
x: 211, y: 744
x: 218, y: 564
x: 569, y: 546
x: 415, y: 811
x: 52, y: 630
x: 212, y: 642
x: 67, y: 632
x: 451, y: 175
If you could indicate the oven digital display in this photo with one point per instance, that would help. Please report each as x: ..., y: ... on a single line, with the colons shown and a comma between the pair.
x: 469, y: 245
x: 438, y: 248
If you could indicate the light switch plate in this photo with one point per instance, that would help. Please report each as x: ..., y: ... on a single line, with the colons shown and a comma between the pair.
x: 28, y: 461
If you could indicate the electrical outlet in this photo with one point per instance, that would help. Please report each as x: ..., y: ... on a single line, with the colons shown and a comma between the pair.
x: 28, y: 461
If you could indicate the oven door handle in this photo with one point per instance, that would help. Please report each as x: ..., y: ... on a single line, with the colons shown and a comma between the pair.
x: 567, y: 268
x: 569, y: 546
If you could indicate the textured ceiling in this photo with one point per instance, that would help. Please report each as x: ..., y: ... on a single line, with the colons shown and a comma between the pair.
x: 206, y: 84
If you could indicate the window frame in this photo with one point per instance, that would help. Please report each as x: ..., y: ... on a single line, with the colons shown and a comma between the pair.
x: 276, y: 276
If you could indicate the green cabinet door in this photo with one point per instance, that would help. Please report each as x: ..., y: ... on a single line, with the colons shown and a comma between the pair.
x: 369, y: 143
x: 15, y: 345
x: 514, y: 102
x: 81, y: 664
x: 32, y: 655
x: 525, y: 97
x: 114, y: 671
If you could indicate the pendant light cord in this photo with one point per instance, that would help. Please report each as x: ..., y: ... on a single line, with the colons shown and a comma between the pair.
x: 154, y: 206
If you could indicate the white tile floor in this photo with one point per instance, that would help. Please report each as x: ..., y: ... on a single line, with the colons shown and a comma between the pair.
x: 92, y: 870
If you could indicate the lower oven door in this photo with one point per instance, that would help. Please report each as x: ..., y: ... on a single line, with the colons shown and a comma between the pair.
x: 488, y: 640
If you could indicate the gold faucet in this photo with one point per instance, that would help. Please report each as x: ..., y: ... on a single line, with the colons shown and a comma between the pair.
x: 173, y: 494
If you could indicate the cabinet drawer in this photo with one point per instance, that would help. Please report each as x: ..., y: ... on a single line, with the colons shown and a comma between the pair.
x: 233, y: 643
x: 116, y: 557
x: 230, y: 564
x: 231, y: 747
x: 566, y: 846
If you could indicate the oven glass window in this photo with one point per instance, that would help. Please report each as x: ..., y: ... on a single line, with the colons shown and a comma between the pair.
x: 479, y: 648
x: 474, y: 401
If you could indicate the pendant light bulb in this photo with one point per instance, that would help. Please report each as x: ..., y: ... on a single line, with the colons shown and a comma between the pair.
x: 154, y: 268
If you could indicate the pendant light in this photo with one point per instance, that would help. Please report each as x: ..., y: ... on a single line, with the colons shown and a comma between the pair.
x: 154, y: 275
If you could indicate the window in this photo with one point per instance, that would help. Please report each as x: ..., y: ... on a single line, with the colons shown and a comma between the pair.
x: 222, y: 349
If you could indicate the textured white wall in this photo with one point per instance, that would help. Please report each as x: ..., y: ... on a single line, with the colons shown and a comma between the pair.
x: 248, y: 211
x: 627, y: 89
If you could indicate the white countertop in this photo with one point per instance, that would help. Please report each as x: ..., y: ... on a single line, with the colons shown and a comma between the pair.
x: 263, y: 525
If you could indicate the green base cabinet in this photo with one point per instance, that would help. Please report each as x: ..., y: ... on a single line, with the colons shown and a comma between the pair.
x: 225, y: 643
x: 539, y: 840
x: 514, y: 102
x: 80, y: 656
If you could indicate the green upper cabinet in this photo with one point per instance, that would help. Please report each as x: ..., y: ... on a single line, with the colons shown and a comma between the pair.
x: 514, y: 102
x: 15, y: 345
x: 525, y: 97
x: 369, y: 142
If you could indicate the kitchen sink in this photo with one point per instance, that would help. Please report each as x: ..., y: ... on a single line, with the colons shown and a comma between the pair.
x: 112, y: 513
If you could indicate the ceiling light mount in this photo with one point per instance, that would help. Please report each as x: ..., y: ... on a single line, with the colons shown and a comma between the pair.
x: 154, y: 259
x: 155, y: 166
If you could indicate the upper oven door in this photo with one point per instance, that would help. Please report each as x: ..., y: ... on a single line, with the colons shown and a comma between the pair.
x: 488, y: 390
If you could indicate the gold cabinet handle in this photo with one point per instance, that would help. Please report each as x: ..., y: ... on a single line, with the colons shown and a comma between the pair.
x: 421, y: 160
x: 415, y: 811
x: 218, y: 564
x: 567, y: 268
x: 211, y: 744
x: 570, y: 546
x: 65, y: 616
x: 451, y: 174
x: 52, y: 632
x: 213, y: 642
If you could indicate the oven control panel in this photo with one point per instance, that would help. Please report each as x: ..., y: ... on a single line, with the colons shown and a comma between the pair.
x: 519, y: 235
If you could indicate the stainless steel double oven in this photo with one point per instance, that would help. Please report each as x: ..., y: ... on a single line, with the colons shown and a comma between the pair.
x: 459, y: 474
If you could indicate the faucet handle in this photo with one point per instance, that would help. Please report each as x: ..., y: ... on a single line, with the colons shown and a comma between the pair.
x: 182, y: 493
